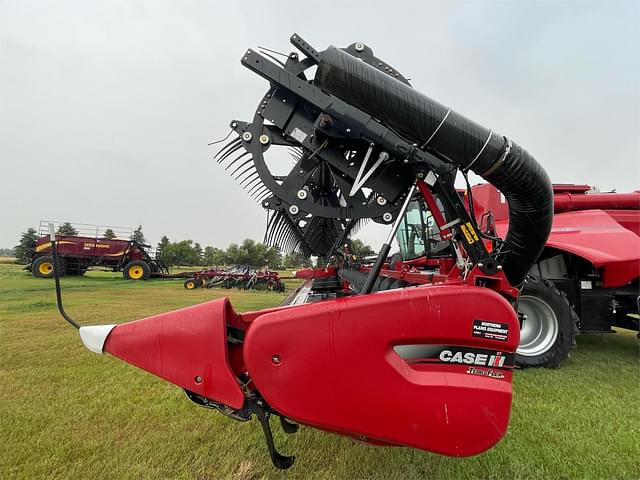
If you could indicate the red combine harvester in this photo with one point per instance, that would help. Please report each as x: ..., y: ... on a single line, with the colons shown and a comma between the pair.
x: 89, y: 247
x: 428, y: 367
x: 586, y: 279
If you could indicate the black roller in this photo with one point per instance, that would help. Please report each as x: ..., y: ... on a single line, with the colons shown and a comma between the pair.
x: 451, y: 136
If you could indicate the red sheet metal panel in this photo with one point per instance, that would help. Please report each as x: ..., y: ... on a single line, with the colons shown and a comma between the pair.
x: 334, y: 365
x: 187, y: 347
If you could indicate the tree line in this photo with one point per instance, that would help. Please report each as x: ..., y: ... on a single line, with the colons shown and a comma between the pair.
x: 190, y: 253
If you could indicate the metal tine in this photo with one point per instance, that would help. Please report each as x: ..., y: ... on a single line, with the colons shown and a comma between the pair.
x: 266, y: 54
x: 249, y: 179
x: 270, y: 215
x: 259, y: 192
x: 230, y: 152
x: 293, y: 241
x: 242, y: 164
x: 233, y: 142
x: 238, y: 158
x: 286, y: 239
x: 263, y: 197
x: 250, y: 168
x: 274, y: 227
x: 255, y: 180
x: 276, y: 234
x: 258, y: 197
x: 255, y: 193
x: 252, y: 183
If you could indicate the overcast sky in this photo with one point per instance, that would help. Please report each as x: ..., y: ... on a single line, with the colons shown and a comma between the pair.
x: 106, y: 108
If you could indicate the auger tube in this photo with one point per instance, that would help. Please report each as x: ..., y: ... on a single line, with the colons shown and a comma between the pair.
x: 452, y: 137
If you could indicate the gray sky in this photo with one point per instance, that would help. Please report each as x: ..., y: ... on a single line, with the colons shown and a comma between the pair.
x: 106, y: 108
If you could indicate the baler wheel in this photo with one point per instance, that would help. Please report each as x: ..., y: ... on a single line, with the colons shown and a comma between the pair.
x: 191, y: 284
x: 136, y: 270
x: 42, y: 267
x: 549, y: 330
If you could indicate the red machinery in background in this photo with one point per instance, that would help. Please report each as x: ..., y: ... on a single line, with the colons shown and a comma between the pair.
x: 88, y: 246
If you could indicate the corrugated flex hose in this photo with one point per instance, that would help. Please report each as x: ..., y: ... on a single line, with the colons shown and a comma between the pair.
x: 451, y: 136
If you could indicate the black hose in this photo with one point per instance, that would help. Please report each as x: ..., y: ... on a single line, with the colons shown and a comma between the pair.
x: 56, y: 277
x: 453, y: 137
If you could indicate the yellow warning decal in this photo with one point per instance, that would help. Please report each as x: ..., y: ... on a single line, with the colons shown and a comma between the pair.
x: 469, y: 233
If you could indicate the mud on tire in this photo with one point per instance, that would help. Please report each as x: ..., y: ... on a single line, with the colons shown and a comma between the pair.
x: 550, y: 329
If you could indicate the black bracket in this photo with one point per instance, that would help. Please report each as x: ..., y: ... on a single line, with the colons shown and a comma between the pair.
x: 280, y: 461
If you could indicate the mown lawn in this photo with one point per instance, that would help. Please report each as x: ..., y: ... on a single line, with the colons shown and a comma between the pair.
x: 68, y: 413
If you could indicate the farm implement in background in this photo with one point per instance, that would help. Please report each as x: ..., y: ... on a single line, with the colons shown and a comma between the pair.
x: 112, y: 248
x: 243, y: 277
x: 428, y: 367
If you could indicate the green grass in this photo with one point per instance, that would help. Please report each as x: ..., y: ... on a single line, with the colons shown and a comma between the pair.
x: 68, y: 413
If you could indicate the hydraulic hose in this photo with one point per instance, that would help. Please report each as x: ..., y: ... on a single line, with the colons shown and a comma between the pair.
x: 451, y: 136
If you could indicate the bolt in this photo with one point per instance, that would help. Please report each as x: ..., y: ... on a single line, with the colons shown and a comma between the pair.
x: 198, y: 379
x: 348, y: 130
x: 380, y: 200
x: 499, y: 267
x: 276, y: 360
x: 265, y: 204
x: 359, y: 47
x: 246, y: 136
x: 264, y: 139
x: 481, y: 265
x: 293, y: 209
x: 284, y: 100
x: 302, y: 194
x: 420, y: 174
x: 387, y: 217
x: 234, y: 125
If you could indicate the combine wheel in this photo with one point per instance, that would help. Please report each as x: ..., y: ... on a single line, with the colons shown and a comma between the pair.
x: 191, y: 284
x: 550, y: 327
x: 42, y: 267
x: 136, y: 270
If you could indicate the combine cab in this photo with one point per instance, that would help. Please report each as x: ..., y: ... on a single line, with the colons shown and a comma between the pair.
x: 91, y: 248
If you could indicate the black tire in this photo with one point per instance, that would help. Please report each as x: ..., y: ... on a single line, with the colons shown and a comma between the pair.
x: 136, y: 270
x: 550, y: 328
x: 75, y: 269
x: 42, y: 267
x: 191, y: 284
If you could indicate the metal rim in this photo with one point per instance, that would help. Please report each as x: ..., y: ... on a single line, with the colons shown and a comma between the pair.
x: 539, y: 330
x: 191, y: 285
x: 45, y: 268
x: 135, y: 272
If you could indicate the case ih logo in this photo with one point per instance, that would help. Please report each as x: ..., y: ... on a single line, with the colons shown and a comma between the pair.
x: 471, y: 358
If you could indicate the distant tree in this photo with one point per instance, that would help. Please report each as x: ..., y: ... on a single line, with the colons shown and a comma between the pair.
x: 213, y: 256
x: 163, y: 243
x: 109, y: 234
x: 67, y: 229
x: 138, y: 236
x: 181, y: 253
x: 7, y: 252
x: 359, y: 248
x: 295, y: 260
x: 27, y: 245
x: 198, y: 251
x: 250, y: 252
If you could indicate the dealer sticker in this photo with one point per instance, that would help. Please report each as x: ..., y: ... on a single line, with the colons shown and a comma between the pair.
x: 490, y: 330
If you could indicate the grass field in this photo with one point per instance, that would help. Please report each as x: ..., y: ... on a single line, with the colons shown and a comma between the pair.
x: 68, y: 413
